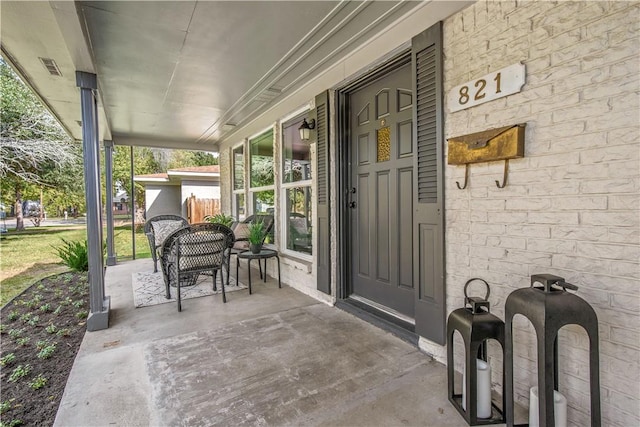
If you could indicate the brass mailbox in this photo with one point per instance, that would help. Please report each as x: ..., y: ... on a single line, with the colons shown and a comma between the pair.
x: 487, y: 146
x: 495, y: 144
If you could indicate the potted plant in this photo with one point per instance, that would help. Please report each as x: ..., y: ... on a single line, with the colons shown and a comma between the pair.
x: 255, y: 236
x: 220, y: 218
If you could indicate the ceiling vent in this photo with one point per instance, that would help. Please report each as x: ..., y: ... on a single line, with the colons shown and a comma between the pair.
x: 51, y: 66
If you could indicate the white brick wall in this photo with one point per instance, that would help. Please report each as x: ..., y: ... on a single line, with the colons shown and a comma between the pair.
x: 571, y: 206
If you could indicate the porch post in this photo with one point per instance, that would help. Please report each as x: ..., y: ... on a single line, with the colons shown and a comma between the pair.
x: 108, y: 166
x: 99, y: 304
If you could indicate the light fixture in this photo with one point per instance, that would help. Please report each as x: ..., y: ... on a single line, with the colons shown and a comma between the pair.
x: 305, y: 129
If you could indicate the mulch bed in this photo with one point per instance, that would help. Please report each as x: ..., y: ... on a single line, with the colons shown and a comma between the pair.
x: 43, y: 329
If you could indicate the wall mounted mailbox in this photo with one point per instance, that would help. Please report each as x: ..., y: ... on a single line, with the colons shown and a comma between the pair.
x: 487, y: 146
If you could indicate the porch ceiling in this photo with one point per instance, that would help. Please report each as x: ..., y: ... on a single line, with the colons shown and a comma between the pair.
x: 184, y: 74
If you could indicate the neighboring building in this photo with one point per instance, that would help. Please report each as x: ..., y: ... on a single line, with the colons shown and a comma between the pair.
x: 167, y: 193
x: 120, y: 203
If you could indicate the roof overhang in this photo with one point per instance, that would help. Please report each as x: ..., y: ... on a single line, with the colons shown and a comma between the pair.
x: 194, y: 74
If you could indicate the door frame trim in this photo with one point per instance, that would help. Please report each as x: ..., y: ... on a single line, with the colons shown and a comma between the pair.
x: 343, y: 168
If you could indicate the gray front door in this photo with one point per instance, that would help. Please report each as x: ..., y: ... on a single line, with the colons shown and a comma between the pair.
x: 381, y: 150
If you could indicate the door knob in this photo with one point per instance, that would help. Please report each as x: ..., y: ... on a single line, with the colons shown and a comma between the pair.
x: 352, y: 205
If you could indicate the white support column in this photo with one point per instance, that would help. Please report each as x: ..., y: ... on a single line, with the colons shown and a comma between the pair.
x: 99, y: 304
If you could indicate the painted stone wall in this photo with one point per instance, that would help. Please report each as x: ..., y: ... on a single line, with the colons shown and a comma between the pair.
x: 571, y: 206
x: 224, y: 161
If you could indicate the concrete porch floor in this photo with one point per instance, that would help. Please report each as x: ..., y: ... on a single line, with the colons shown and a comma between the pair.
x: 276, y: 358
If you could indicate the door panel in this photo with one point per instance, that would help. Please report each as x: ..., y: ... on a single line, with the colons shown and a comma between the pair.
x: 382, y: 176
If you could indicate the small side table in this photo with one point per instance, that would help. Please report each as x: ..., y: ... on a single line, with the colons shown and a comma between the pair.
x: 263, y: 254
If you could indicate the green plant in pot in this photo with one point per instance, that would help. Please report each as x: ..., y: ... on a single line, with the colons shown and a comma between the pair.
x: 256, y: 236
x: 220, y: 218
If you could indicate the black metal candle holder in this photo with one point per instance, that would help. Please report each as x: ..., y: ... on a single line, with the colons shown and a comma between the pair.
x: 476, y: 325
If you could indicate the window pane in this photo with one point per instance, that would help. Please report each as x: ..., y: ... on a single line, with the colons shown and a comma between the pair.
x: 263, y: 203
x: 296, y: 153
x: 299, y: 219
x: 239, y: 204
x: 262, y: 160
x: 238, y: 168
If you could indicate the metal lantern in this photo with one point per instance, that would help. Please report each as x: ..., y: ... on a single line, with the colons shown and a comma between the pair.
x: 550, y: 307
x: 476, y: 325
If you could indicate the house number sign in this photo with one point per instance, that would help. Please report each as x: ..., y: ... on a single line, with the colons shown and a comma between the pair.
x: 506, y: 81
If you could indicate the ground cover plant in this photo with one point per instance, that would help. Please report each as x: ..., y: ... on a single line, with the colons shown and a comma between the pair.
x: 43, y: 323
x: 41, y: 331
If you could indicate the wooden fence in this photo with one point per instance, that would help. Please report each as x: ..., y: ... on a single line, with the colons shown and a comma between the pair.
x: 197, y: 209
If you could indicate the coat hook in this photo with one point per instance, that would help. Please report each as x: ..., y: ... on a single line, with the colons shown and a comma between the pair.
x: 504, y: 177
x: 466, y: 178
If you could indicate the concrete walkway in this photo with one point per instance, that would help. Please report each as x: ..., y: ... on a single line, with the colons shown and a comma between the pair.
x: 276, y: 358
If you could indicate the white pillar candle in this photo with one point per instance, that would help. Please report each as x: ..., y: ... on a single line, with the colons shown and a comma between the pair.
x: 559, y: 408
x: 483, y: 390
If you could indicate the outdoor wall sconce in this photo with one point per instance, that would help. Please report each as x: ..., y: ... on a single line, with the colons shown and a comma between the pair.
x: 487, y: 146
x: 305, y: 129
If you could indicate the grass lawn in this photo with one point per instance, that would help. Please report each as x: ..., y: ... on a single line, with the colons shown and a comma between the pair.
x: 29, y: 255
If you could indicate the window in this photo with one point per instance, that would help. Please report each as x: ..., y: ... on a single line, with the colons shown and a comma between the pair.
x: 296, y: 185
x: 262, y: 179
x: 239, y: 206
x: 261, y: 150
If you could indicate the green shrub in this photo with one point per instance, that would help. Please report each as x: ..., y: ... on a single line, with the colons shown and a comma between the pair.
x: 23, y: 341
x: 8, y: 359
x: 19, y: 372
x: 47, y: 351
x: 5, y: 406
x: 220, y: 218
x: 63, y: 332
x: 38, y: 382
x: 12, y: 423
x: 74, y: 254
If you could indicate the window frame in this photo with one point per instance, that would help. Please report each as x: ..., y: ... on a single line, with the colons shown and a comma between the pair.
x: 242, y: 191
x: 285, y: 186
x: 250, y: 199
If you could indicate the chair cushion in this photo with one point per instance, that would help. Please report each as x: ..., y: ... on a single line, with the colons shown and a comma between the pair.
x: 162, y: 229
x: 201, y: 251
x: 241, y: 231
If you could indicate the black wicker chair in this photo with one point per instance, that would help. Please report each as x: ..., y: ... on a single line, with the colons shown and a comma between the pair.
x: 242, y: 242
x: 193, y: 250
x: 165, y: 225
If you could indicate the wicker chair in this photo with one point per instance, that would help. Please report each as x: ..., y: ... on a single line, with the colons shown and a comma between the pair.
x: 242, y: 243
x: 164, y: 225
x: 193, y: 250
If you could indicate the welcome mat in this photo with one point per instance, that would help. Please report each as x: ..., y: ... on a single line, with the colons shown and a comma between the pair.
x: 149, y: 288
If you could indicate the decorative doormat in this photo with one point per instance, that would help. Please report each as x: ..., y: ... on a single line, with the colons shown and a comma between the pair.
x: 149, y: 288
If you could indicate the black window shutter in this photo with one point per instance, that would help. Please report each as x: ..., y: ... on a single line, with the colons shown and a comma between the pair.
x: 428, y: 227
x: 323, y: 251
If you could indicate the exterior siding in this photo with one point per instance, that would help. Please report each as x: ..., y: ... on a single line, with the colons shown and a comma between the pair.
x: 571, y: 206
x: 162, y: 200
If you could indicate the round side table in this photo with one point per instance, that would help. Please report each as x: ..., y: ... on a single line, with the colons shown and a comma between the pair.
x: 264, y: 254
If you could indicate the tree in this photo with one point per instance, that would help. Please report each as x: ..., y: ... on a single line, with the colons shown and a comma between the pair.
x: 185, y: 158
x: 144, y: 163
x: 34, y: 149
